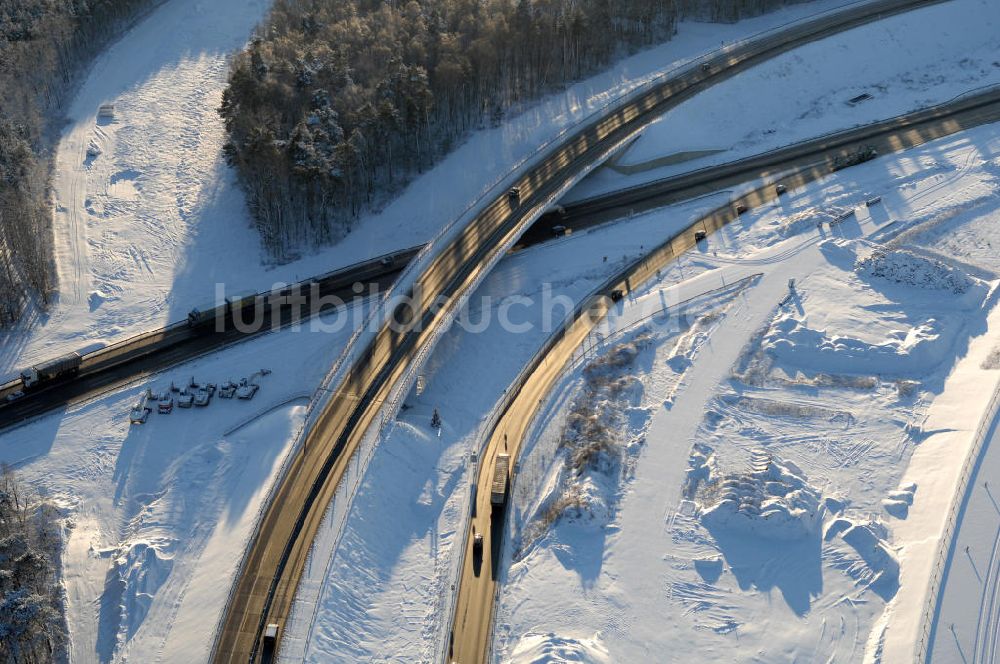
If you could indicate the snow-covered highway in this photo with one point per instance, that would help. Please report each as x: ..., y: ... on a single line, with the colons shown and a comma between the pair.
x: 139, y: 588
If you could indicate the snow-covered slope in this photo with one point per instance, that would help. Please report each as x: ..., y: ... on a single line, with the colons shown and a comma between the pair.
x: 904, y: 63
x: 147, y: 217
x: 157, y: 515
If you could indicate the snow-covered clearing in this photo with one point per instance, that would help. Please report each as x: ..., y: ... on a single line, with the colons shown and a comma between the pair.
x: 149, y: 218
x: 157, y: 515
x: 770, y: 512
x: 905, y: 62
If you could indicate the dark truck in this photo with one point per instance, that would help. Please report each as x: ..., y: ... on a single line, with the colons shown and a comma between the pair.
x: 859, y: 156
x: 44, y: 372
x: 501, y: 475
x: 230, y: 309
x: 269, y: 643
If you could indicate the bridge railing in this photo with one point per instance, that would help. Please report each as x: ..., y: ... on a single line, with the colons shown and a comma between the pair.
x: 366, y: 332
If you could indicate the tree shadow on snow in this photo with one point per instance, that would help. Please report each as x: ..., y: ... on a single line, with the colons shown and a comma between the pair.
x: 109, y: 615
x: 582, y: 549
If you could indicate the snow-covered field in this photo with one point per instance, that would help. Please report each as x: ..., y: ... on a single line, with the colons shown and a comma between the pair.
x: 781, y: 499
x: 157, y: 516
x: 905, y: 63
x: 149, y: 218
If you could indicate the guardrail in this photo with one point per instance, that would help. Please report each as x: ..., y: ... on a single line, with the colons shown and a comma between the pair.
x: 633, y: 269
x: 409, y: 276
x: 150, y: 341
x: 946, y: 544
x: 627, y: 96
x: 971, y: 96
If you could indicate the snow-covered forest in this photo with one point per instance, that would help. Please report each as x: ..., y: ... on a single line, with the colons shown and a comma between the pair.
x: 334, y: 105
x: 32, y: 627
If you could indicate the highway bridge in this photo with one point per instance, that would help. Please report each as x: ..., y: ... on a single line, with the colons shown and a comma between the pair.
x: 798, y: 165
x: 134, y: 358
x: 269, y: 575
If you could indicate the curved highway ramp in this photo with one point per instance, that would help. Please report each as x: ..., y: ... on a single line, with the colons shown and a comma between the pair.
x: 269, y: 575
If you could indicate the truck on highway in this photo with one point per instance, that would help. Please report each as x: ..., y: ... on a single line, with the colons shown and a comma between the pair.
x: 501, y: 475
x: 44, y: 372
x: 201, y: 316
x: 859, y: 156
x: 230, y: 309
x: 270, y: 642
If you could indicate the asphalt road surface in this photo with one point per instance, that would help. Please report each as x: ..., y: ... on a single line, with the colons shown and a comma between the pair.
x: 471, y: 630
x: 269, y: 575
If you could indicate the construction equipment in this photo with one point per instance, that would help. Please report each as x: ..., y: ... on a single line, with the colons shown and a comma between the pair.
x: 246, y: 390
x: 141, y: 410
x: 859, y: 156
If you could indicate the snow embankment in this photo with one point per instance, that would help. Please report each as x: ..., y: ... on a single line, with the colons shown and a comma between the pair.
x: 603, y: 434
x: 914, y: 349
x: 544, y: 648
x: 876, y: 71
x: 771, y: 499
x: 158, y: 515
